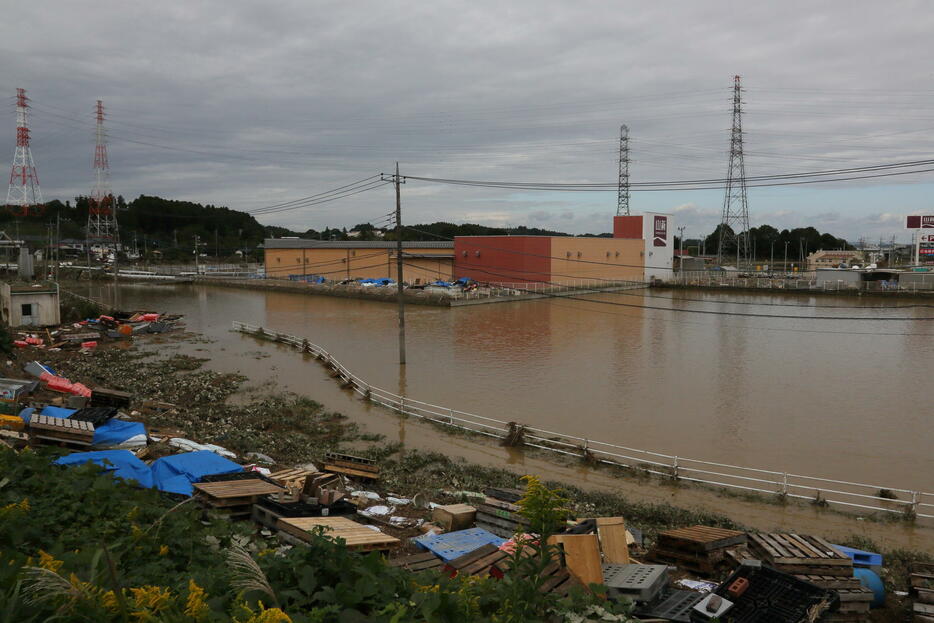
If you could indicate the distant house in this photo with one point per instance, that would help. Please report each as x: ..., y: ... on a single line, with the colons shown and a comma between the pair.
x: 833, y: 259
x: 35, y: 305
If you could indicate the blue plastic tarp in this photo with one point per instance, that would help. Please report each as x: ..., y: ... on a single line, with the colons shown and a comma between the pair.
x: 191, y: 466
x: 443, y: 284
x: 59, y: 412
x: 121, y: 463
x: 384, y: 282
x: 116, y: 432
x: 27, y: 413
x: 463, y: 281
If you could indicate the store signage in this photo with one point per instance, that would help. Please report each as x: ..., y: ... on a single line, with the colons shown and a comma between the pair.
x: 920, y: 222
x: 660, y: 235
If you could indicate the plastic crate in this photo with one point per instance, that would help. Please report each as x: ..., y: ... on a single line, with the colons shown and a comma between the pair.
x: 638, y: 582
x: 861, y: 557
x: 673, y: 605
x: 451, y: 545
x: 772, y: 597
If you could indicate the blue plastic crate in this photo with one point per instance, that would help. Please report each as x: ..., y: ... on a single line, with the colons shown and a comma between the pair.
x: 861, y: 557
x: 450, y: 545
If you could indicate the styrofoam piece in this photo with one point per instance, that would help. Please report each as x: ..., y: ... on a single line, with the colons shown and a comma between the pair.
x: 638, y: 582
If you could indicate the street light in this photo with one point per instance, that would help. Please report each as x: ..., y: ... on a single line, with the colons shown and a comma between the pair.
x: 785, y: 266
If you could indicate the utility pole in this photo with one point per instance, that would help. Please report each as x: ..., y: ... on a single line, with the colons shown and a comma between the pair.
x: 772, y: 257
x: 197, y: 267
x: 58, y: 243
x: 681, y: 245
x: 400, y: 294
x: 785, y: 267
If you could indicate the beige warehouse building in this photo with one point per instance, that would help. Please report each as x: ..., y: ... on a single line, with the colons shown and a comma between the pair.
x: 336, y: 260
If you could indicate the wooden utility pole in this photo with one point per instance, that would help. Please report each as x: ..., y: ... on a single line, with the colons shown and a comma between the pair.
x: 400, y: 294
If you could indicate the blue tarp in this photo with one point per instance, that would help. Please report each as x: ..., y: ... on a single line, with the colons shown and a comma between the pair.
x: 170, y: 472
x: 121, y: 463
x: 443, y: 284
x: 115, y: 432
x: 59, y: 412
x: 463, y: 281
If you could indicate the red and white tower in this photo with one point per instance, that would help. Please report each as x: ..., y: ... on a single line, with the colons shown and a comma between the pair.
x: 102, y: 217
x: 24, y: 179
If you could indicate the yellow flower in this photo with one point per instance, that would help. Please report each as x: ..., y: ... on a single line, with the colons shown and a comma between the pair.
x: 137, y: 532
x: 149, y: 601
x: 270, y: 615
x: 133, y: 514
x: 109, y: 601
x: 22, y: 506
x: 195, y: 606
x: 47, y: 561
x: 163, y: 550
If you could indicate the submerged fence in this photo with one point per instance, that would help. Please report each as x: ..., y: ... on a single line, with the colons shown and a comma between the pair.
x: 821, y: 491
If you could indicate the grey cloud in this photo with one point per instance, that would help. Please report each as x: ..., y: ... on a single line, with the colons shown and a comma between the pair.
x: 250, y: 104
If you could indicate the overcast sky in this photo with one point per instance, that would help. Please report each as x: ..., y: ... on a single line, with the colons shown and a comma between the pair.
x: 248, y: 104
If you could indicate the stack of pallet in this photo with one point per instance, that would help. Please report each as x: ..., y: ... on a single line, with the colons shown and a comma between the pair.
x: 234, y: 498
x: 501, y: 518
x: 700, y: 549
x: 814, y: 560
x: 423, y: 561
x: 353, y: 466
x: 922, y: 588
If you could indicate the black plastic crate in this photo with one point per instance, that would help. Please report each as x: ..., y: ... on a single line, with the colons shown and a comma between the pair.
x: 303, y: 509
x: 772, y: 597
x: 674, y: 605
x: 95, y: 415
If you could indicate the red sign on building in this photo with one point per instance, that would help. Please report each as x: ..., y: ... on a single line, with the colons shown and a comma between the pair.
x: 660, y: 236
x: 920, y: 222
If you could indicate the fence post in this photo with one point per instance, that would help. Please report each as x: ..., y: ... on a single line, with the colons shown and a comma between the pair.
x: 451, y: 417
x: 402, y: 405
x: 675, y: 469
x: 913, y: 507
x: 784, y: 484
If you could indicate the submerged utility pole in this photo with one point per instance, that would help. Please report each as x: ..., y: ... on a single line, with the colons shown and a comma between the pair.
x: 399, y: 286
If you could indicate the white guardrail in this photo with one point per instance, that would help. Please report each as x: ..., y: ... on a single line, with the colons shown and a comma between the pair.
x: 823, y: 491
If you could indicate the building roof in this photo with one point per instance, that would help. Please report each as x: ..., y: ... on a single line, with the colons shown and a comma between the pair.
x: 303, y: 243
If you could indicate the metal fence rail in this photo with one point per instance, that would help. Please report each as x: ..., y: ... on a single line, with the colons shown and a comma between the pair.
x: 823, y: 491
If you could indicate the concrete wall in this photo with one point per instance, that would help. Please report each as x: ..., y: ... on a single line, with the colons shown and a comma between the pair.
x: 363, y: 263
x: 598, y: 259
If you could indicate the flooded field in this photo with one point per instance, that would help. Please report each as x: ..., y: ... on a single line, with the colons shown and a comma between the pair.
x: 843, y: 398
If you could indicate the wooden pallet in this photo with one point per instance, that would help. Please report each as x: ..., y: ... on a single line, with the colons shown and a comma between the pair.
x: 794, y: 550
x: 229, y: 493
x: 477, y: 562
x: 61, y: 430
x: 356, y: 536
x: 356, y: 466
x: 103, y: 397
x: 700, y: 538
x: 292, y: 477
x: 418, y: 562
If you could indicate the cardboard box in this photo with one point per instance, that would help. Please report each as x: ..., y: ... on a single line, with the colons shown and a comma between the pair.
x: 454, y: 517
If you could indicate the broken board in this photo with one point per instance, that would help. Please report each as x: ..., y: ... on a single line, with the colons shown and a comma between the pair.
x: 581, y: 555
x: 612, y: 533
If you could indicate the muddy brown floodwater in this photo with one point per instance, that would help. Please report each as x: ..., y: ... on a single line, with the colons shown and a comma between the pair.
x: 847, y: 399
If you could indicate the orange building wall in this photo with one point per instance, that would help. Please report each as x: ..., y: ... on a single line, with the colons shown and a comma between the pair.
x: 373, y: 263
x: 614, y: 259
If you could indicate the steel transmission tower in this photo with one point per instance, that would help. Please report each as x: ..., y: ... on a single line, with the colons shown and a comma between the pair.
x: 24, y: 179
x: 622, y: 203
x: 102, y: 216
x: 734, y: 225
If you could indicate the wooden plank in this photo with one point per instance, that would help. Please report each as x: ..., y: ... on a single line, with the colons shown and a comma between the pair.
x: 350, y: 471
x: 830, y: 549
x: 582, y: 556
x: 612, y: 534
x: 778, y: 548
x: 806, y: 546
